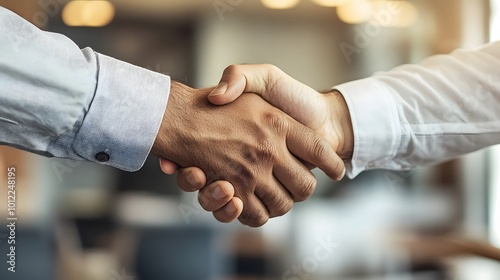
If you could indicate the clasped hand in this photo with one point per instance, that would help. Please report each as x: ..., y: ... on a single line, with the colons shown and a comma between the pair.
x: 251, y: 158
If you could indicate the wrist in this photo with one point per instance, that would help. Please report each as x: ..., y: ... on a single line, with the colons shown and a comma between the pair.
x: 172, y: 118
x: 180, y: 122
x: 341, y: 118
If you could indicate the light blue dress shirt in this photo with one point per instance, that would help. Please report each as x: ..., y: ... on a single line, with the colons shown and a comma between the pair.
x: 57, y: 100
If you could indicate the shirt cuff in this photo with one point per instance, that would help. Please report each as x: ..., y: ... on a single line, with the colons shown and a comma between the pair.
x: 374, y: 115
x: 124, y: 116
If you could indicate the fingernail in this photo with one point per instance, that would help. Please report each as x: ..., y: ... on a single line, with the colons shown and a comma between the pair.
x: 219, y: 90
x: 191, y: 179
x: 343, y: 174
x: 230, y: 209
x: 218, y: 193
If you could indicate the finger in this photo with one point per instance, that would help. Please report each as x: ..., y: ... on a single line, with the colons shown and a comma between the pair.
x: 254, y: 213
x: 306, y: 164
x: 215, y: 195
x: 191, y: 179
x: 309, y: 146
x: 276, y: 198
x: 295, y: 177
x: 168, y: 167
x: 230, y: 212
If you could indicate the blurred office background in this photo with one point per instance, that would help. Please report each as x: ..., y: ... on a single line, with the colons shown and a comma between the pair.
x: 81, y: 221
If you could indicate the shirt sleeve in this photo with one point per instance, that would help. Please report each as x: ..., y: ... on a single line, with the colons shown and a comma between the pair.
x: 57, y: 100
x: 414, y: 115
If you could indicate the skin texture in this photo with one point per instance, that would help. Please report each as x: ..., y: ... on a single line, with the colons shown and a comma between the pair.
x: 249, y: 143
x: 326, y: 113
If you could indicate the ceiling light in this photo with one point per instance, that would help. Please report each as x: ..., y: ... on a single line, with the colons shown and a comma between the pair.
x: 329, y: 3
x: 280, y: 4
x: 88, y: 13
x: 355, y: 11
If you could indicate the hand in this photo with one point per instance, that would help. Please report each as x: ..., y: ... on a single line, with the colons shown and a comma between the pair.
x: 249, y: 143
x: 326, y: 113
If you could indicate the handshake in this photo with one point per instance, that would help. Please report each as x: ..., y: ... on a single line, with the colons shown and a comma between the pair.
x: 251, y: 158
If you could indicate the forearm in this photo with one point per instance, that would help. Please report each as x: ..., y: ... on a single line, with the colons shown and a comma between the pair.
x: 58, y: 100
x: 447, y: 106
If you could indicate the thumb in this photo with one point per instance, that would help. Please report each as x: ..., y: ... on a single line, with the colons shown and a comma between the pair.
x: 296, y: 99
x: 238, y: 79
x: 168, y: 167
x: 273, y: 85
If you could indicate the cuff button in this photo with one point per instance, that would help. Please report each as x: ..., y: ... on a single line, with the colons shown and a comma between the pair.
x: 102, y: 157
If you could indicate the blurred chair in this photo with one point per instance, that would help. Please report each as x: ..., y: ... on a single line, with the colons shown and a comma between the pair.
x: 180, y: 253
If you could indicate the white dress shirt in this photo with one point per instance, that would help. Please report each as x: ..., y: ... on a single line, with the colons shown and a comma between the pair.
x: 413, y: 115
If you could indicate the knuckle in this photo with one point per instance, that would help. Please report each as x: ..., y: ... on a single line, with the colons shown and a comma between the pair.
x: 221, y: 217
x: 245, y: 179
x: 276, y: 121
x: 242, y: 171
x: 231, y: 69
x: 265, y: 150
x: 320, y: 150
x: 270, y: 195
x: 283, y: 207
x: 271, y: 68
x: 257, y: 220
x: 306, y: 189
